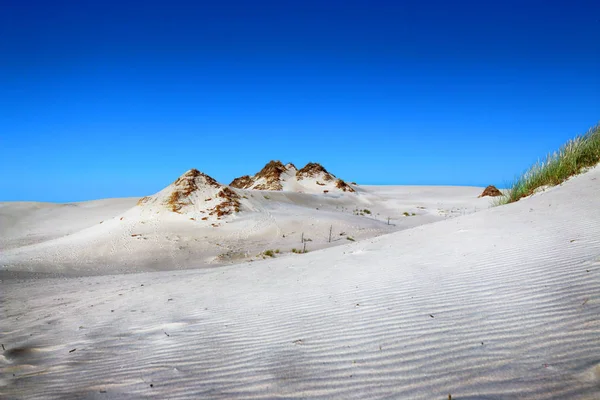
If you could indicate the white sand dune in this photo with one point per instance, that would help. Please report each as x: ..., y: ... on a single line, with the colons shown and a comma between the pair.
x: 24, y: 223
x: 500, y: 304
x: 197, y: 222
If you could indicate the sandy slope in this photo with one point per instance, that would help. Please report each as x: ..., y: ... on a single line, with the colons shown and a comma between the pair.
x: 118, y: 236
x: 499, y: 304
x: 25, y: 223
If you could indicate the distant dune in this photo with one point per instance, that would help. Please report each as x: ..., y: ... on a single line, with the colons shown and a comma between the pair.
x: 312, y: 178
x: 198, y: 222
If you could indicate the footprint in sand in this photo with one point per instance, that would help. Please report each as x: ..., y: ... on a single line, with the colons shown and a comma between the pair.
x: 24, y: 361
x: 26, y: 353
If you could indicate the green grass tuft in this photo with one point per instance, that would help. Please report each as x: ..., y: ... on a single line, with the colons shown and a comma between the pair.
x: 581, y: 152
x: 269, y: 253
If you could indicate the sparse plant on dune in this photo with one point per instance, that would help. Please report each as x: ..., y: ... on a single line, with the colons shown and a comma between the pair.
x: 174, y: 202
x: 269, y: 253
x: 340, y: 184
x: 577, y: 154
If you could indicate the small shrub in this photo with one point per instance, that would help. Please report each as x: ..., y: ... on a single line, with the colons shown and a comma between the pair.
x: 406, y: 214
x: 350, y: 238
x: 269, y: 253
x: 367, y: 211
x: 266, y: 197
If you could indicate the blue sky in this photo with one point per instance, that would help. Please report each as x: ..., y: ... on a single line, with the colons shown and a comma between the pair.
x: 112, y: 99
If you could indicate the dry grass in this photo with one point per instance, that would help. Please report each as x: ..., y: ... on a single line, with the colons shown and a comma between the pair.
x: 185, y: 185
x: 340, y: 184
x: 230, y: 203
x: 311, y: 170
x: 243, y: 182
x: 174, y: 201
x: 271, y: 173
x: 491, y: 191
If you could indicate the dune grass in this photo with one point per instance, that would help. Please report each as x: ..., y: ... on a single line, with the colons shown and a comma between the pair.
x: 581, y: 152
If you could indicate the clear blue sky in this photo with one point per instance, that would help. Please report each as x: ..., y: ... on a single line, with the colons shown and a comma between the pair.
x: 118, y: 98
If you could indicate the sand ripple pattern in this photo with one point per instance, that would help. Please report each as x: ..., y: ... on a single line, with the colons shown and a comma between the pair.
x: 502, y: 304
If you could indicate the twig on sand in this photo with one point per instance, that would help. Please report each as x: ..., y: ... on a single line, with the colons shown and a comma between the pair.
x: 585, y: 302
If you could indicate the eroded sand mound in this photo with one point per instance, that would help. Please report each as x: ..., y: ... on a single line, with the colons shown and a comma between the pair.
x: 195, y: 195
x: 491, y: 191
x: 312, y: 178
